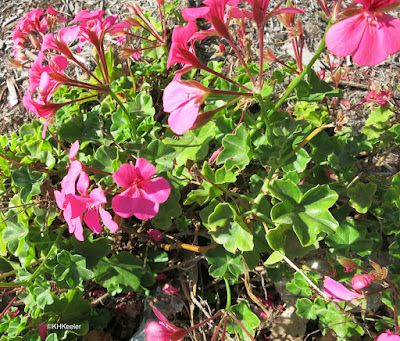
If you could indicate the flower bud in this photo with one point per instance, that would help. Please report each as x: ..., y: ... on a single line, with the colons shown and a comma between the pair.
x: 361, y: 281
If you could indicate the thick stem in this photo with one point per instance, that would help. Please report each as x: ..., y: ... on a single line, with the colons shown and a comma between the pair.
x: 298, y: 79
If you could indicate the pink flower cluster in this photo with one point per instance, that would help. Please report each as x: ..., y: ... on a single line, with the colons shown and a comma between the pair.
x: 46, y: 73
x: 142, y: 196
x: 182, y: 99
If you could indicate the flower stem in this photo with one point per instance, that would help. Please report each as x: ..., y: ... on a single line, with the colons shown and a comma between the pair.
x: 298, y: 79
x: 228, y: 295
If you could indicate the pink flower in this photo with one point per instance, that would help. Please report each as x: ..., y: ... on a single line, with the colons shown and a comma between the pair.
x: 161, y: 277
x: 360, y: 281
x: 183, y: 99
x: 368, y: 35
x: 88, y: 206
x: 155, y: 234
x: 214, y: 12
x: 170, y: 289
x: 180, y: 52
x: 388, y: 336
x: 143, y: 195
x: 93, y: 28
x: 259, y: 11
x: 164, y: 330
x: 338, y: 291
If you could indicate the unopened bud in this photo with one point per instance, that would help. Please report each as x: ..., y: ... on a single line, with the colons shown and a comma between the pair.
x: 361, y: 281
x: 349, y: 264
x: 321, y: 74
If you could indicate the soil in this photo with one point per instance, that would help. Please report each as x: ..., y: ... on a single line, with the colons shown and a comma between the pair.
x: 126, y: 321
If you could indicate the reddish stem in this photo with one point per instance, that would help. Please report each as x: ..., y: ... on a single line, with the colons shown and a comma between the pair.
x: 242, y: 326
x: 11, y: 303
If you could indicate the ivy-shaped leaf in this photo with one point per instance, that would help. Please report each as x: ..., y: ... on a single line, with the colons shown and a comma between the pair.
x: 224, y: 264
x: 237, y: 150
x: 29, y: 182
x: 361, y: 196
x: 246, y: 317
x: 308, y: 213
x: 227, y: 228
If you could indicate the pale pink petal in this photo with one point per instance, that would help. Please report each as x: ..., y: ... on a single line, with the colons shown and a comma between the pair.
x: 125, y: 175
x: 98, y: 196
x: 68, y: 34
x: 108, y: 221
x: 182, y: 119
x: 338, y: 291
x: 83, y: 184
x: 191, y: 14
x: 158, y: 189
x: 73, y: 151
x: 58, y: 63
x: 60, y: 198
x: 344, y: 38
x: 91, y: 218
x: 145, y: 168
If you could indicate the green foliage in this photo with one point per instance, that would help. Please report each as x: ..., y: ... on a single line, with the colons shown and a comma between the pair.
x: 246, y: 317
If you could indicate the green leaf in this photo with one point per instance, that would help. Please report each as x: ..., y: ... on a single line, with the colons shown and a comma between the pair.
x: 227, y: 228
x: 315, y: 89
x: 160, y: 154
x: 193, y: 144
x: 224, y: 264
x: 246, y: 317
x: 91, y: 249
x: 122, y: 272
x: 71, y: 270
x: 350, y: 236
x: 72, y: 309
x: 361, y: 196
x: 308, y: 214
x: 305, y: 309
x: 168, y: 210
x: 377, y: 122
x: 29, y: 182
x: 299, y: 286
x: 237, y: 150
x: 106, y: 159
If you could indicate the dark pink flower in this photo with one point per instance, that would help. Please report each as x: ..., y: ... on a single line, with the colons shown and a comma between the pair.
x: 388, y: 336
x: 368, y: 35
x: 179, y: 51
x: 214, y: 12
x: 338, y: 291
x: 155, y: 234
x: 259, y: 11
x: 182, y: 99
x: 164, y: 330
x: 161, y: 277
x: 170, y: 289
x: 360, y: 281
x: 143, y: 195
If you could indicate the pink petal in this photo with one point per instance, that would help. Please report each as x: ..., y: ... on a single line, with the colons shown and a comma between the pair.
x: 83, y: 184
x: 344, y: 38
x: 360, y: 281
x: 91, y: 218
x: 157, y: 331
x: 182, y: 119
x: 125, y: 175
x: 339, y: 291
x: 158, y: 189
x: 77, y: 204
x: 98, y: 196
x: 170, y: 289
x: 155, y: 234
x: 145, y: 168
x: 132, y: 202
x: 60, y: 198
x: 108, y: 221
x: 77, y: 228
x: 73, y: 151
x: 388, y: 336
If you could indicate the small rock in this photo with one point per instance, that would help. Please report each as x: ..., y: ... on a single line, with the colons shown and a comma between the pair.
x: 2, y: 44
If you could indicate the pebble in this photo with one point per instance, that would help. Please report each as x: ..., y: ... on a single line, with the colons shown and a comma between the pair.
x: 2, y: 44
